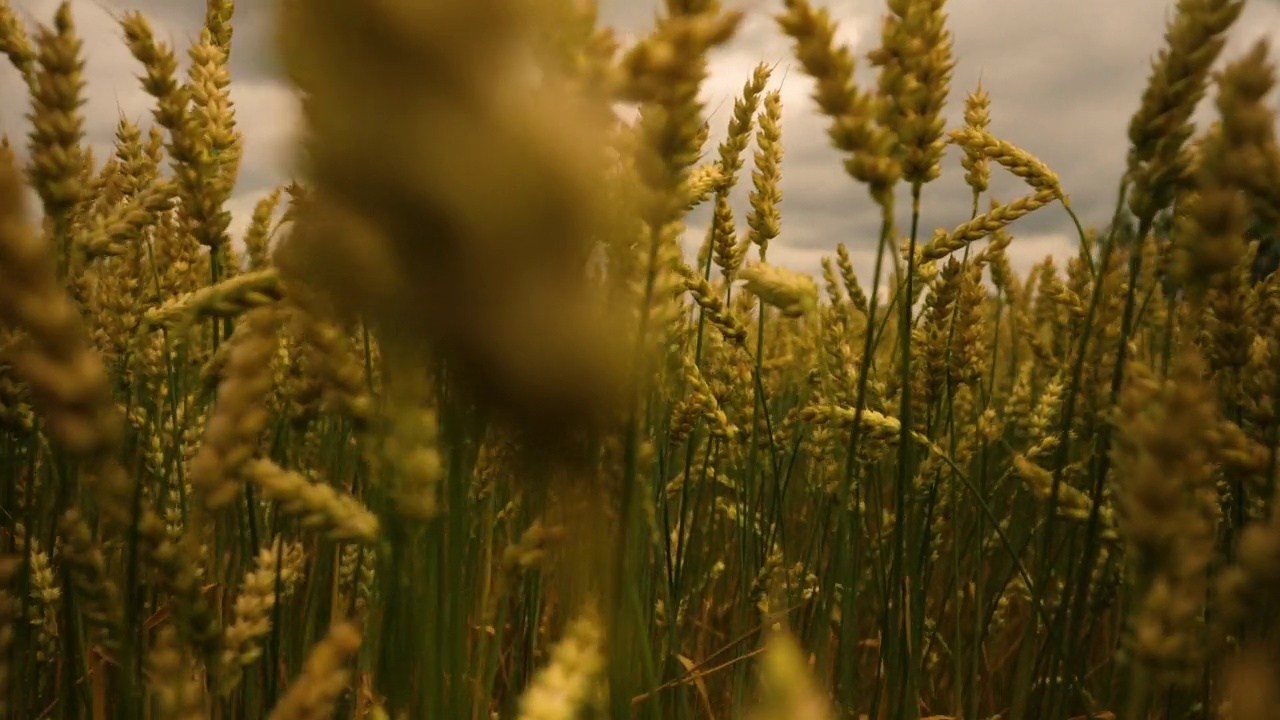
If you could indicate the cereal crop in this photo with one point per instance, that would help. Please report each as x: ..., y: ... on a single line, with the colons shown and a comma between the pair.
x: 458, y: 429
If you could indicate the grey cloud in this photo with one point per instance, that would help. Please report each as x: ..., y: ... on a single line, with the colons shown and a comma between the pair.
x: 265, y: 106
x: 251, y: 51
x: 1064, y: 77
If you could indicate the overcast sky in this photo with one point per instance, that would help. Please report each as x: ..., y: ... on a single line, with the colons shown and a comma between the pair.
x: 1064, y: 77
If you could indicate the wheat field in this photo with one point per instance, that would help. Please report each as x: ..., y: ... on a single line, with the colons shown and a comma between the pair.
x: 456, y: 428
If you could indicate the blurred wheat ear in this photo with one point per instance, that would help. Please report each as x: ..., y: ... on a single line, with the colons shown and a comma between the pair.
x: 497, y: 289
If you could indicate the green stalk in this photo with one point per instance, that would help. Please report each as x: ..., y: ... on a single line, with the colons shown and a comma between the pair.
x: 907, y: 706
x: 1061, y: 457
x: 843, y: 528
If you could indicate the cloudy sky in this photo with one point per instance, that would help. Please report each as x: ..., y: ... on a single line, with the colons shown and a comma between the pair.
x: 1064, y: 77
